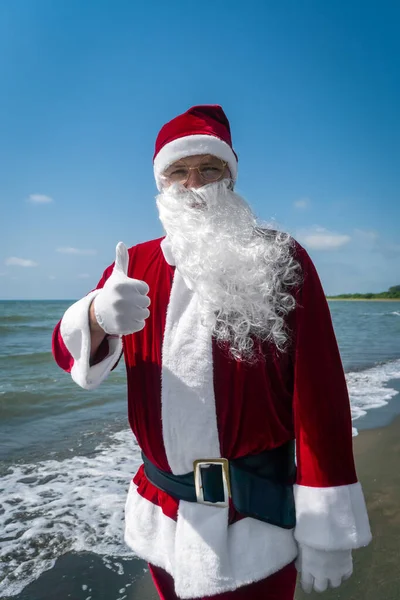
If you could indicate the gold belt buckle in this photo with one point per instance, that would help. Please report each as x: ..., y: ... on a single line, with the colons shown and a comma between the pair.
x: 204, y: 463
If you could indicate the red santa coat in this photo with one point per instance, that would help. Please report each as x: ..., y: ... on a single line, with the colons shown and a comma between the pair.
x: 187, y: 399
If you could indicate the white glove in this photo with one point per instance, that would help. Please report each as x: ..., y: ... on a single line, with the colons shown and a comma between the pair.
x: 121, y: 306
x: 323, y: 568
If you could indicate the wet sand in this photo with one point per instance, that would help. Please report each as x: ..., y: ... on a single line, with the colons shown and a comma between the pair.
x: 376, y: 568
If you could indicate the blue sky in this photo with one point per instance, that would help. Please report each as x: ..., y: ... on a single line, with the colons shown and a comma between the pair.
x: 312, y: 90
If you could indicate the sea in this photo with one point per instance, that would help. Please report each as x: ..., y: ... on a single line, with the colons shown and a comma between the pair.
x: 67, y: 455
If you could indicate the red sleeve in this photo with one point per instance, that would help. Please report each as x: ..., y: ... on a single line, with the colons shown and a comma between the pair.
x: 321, y: 403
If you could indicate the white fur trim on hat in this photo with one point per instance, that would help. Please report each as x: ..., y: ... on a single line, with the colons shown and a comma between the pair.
x: 191, y: 145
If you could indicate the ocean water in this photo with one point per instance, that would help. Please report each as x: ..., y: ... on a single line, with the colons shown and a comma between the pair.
x: 67, y: 455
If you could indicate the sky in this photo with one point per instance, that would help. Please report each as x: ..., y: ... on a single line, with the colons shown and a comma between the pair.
x: 312, y: 91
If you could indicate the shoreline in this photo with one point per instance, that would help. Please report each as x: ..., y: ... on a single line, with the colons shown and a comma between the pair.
x: 383, y: 416
x: 363, y: 299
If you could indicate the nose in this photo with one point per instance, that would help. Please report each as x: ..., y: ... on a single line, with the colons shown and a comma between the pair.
x: 194, y: 180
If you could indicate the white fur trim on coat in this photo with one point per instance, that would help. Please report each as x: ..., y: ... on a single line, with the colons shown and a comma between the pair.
x: 331, y: 518
x: 209, y: 560
x: 192, y: 145
x: 189, y: 419
x: 75, y: 333
x: 167, y: 251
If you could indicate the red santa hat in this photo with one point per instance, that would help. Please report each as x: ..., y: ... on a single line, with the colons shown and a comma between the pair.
x: 200, y: 130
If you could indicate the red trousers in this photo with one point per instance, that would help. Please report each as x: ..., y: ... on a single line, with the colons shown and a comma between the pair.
x: 279, y: 586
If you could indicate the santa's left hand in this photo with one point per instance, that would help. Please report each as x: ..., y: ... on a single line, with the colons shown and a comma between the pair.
x: 321, y: 569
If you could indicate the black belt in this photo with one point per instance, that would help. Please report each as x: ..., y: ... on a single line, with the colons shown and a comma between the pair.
x: 260, y: 486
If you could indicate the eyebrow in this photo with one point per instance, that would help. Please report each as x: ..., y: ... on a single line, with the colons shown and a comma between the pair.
x: 207, y: 159
x: 175, y: 168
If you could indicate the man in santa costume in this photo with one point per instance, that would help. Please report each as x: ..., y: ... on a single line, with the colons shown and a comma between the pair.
x: 232, y: 365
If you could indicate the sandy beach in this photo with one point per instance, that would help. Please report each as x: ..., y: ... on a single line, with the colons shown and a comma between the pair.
x: 376, y: 568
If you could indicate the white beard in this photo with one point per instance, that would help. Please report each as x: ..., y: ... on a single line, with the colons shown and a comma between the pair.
x: 241, y: 272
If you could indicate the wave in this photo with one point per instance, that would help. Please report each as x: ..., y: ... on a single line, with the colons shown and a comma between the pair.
x: 54, y: 507
x: 29, y: 403
x: 368, y: 389
x: 31, y: 328
x: 26, y: 358
x: 10, y: 319
x: 392, y: 313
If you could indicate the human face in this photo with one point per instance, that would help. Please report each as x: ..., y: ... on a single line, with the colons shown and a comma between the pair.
x: 196, y: 171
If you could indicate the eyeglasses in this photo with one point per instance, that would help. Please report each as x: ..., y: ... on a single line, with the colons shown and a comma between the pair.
x: 210, y: 169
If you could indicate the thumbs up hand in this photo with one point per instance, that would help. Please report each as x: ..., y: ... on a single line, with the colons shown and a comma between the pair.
x: 121, y: 307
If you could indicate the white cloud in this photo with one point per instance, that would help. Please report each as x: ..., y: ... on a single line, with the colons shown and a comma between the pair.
x: 20, y: 262
x: 372, y: 240
x: 83, y: 275
x: 302, y: 203
x: 39, y: 199
x: 363, y: 234
x: 75, y: 251
x: 52, y: 277
x: 319, y: 238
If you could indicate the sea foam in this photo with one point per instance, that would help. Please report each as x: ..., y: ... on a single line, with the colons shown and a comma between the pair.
x: 53, y: 507
x: 368, y: 389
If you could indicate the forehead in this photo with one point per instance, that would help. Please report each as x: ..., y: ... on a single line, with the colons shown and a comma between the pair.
x: 194, y: 160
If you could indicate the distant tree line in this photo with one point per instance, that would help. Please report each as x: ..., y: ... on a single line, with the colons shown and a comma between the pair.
x: 393, y: 293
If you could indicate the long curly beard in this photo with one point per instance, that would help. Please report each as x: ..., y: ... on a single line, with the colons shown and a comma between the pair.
x: 242, y: 272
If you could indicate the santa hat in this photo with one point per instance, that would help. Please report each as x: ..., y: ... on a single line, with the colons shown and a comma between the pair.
x: 200, y: 130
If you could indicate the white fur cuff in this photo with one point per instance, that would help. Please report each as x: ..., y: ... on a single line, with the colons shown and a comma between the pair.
x: 333, y: 518
x: 75, y: 333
